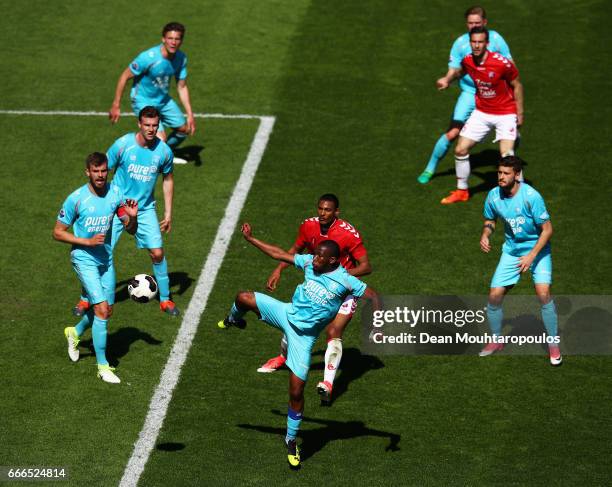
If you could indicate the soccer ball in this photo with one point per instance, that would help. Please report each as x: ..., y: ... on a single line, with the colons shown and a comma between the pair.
x: 142, y: 288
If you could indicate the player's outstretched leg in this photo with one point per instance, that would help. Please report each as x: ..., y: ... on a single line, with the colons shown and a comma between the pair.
x: 333, y: 355
x: 277, y: 362
x: 160, y: 271
x: 439, y: 151
x: 244, y: 302
x: 294, y: 419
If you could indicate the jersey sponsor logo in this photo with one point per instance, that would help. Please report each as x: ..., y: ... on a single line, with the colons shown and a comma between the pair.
x: 515, y: 224
x: 141, y: 173
x: 317, y: 293
x: 98, y: 224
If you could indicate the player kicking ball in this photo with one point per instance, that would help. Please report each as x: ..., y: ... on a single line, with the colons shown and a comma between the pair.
x: 528, y: 230
x: 90, y: 211
x: 314, y: 304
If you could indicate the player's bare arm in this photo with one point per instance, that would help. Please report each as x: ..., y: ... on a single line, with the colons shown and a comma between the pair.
x: 115, y: 110
x: 451, y: 75
x: 130, y: 209
x: 363, y: 267
x: 61, y: 234
x: 487, y: 229
x: 517, y: 86
x: 275, y: 276
x: 268, y: 249
x: 183, y: 93
x: 168, y: 188
x: 526, y: 260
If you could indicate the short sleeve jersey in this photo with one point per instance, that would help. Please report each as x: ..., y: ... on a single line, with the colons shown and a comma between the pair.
x: 152, y: 75
x: 90, y: 215
x: 137, y: 168
x: 494, y: 94
x: 461, y: 48
x: 523, y: 215
x: 317, y: 300
x: 341, y: 232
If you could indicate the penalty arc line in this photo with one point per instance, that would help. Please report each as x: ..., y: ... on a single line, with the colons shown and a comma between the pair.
x: 162, y: 396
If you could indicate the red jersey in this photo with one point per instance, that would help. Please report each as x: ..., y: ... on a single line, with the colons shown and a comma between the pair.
x: 494, y: 94
x: 341, y: 232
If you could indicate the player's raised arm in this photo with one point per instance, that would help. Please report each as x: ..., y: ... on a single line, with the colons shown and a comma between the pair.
x: 451, y: 75
x: 275, y: 276
x: 128, y: 214
x: 268, y: 249
x: 115, y: 110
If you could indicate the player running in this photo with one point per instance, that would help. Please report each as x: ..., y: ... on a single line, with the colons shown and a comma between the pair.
x: 90, y: 211
x: 138, y: 159
x: 499, y: 105
x: 474, y: 17
x: 353, y: 257
x: 152, y: 71
x: 528, y: 230
x: 314, y: 304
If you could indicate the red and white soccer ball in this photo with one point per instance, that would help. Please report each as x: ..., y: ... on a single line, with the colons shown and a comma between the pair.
x: 142, y: 288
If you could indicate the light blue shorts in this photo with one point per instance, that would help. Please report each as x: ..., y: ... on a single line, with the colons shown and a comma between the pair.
x: 466, y: 103
x: 171, y: 114
x: 299, y: 345
x: 148, y: 235
x: 507, y: 272
x: 98, y: 281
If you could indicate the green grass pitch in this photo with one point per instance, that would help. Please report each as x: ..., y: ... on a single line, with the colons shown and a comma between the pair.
x: 351, y: 85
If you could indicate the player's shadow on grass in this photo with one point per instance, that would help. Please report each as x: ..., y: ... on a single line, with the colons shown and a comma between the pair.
x: 487, y: 158
x: 119, y: 342
x: 190, y: 153
x: 314, y: 440
x: 170, y: 446
x: 352, y: 366
x: 180, y: 280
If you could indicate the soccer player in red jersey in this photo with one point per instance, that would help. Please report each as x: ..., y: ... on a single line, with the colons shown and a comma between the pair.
x: 499, y: 105
x: 353, y: 257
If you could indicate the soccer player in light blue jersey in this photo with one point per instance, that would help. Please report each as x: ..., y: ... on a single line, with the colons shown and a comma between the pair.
x: 152, y: 71
x: 90, y: 211
x: 138, y: 159
x: 527, y: 230
x: 475, y: 17
x: 314, y: 305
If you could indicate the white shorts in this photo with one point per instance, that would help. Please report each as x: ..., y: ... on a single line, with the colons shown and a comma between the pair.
x: 480, y: 124
x: 348, y: 306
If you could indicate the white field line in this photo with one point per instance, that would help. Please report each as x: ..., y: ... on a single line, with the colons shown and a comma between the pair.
x: 158, y: 406
x: 170, y: 375
x: 126, y: 114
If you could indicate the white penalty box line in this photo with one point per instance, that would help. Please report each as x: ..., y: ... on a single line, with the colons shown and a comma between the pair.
x: 158, y: 407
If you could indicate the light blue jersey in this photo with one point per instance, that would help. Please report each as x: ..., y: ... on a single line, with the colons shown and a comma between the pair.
x: 461, y: 48
x: 317, y: 300
x: 152, y: 74
x: 90, y: 215
x: 523, y: 215
x: 136, y: 168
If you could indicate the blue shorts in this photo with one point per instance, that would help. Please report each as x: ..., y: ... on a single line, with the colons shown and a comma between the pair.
x: 507, y: 272
x: 148, y: 235
x: 98, y: 281
x: 466, y: 103
x: 299, y: 345
x: 171, y: 115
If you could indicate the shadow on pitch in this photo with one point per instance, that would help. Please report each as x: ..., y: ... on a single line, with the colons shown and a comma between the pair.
x: 179, y: 283
x: 314, y: 440
x: 483, y: 160
x: 170, y: 446
x: 352, y: 367
x: 119, y: 343
x: 190, y: 153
